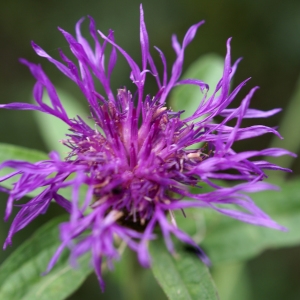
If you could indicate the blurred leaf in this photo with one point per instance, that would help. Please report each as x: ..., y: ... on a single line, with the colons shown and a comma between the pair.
x: 181, y: 277
x: 287, y: 129
x: 134, y: 281
x: 52, y: 129
x: 12, y: 152
x: 227, y: 240
x: 208, y: 68
x: 20, y: 274
x: 8, y: 151
x: 126, y: 275
x: 232, y: 281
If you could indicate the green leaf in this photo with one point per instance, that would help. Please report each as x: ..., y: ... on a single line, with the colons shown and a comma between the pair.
x: 132, y: 280
x: 8, y: 151
x: 12, y: 152
x: 287, y: 129
x: 20, y: 274
x: 232, y: 281
x: 52, y: 129
x: 228, y: 240
x: 183, y: 276
x: 208, y: 68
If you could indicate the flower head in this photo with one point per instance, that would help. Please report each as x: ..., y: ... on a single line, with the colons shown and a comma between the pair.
x: 141, y: 157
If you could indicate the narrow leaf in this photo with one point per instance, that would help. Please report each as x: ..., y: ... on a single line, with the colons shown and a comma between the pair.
x: 287, y: 129
x: 182, y: 276
x: 228, y: 240
x: 12, y: 152
x: 20, y: 274
x: 207, y: 68
x: 52, y: 129
x: 233, y: 281
x: 8, y: 151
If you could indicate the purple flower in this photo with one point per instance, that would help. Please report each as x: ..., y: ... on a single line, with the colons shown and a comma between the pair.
x: 141, y: 158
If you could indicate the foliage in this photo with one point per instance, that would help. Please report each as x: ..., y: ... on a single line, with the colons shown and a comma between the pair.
x: 181, y: 276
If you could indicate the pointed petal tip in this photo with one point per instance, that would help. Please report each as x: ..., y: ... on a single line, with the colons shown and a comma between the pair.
x: 45, y: 273
x: 282, y: 228
x: 239, y: 59
x: 228, y: 45
x: 61, y: 30
x: 8, y: 211
x: 23, y: 61
x: 102, y: 286
x: 201, y: 23
x: 80, y: 20
x: 205, y: 259
x: 7, y: 242
x: 38, y: 50
x: 33, y: 44
x: 91, y: 18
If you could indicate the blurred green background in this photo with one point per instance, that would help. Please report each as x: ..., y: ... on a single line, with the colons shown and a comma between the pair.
x: 265, y: 33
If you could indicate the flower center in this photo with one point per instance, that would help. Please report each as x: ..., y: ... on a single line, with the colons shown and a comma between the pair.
x: 135, y: 166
